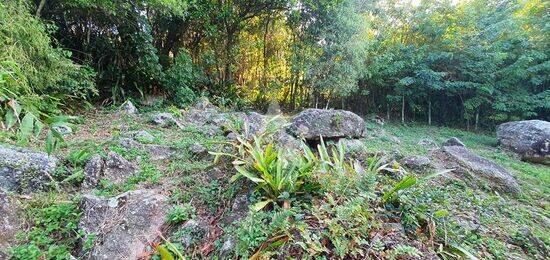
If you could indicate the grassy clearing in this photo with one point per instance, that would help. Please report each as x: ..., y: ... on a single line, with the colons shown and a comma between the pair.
x: 337, y: 215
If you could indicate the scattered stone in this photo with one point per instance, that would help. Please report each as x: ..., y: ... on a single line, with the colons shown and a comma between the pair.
x: 453, y: 141
x: 228, y: 247
x: 417, y: 163
x: 239, y: 209
x: 93, y: 172
x: 427, y: 143
x: 143, y: 136
x: 192, y: 232
x: 63, y: 129
x: 11, y: 222
x: 165, y: 120
x: 25, y: 171
x: 353, y: 147
x: 530, y: 139
x: 286, y: 141
x: 203, y: 104
x: 122, y: 226
x: 529, y: 242
x: 231, y: 136
x: 379, y: 120
x: 468, y: 166
x: 274, y: 108
x: 128, y: 108
x: 114, y: 169
x: 159, y: 152
x: 395, y: 139
x: 198, y: 150
x: 255, y: 124
x: 329, y: 124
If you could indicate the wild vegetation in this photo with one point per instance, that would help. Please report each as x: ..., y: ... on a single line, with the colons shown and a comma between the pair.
x: 194, y: 172
x: 464, y: 63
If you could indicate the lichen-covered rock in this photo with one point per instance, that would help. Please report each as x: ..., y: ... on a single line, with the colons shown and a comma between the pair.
x: 471, y: 167
x: 143, y: 136
x: 329, y: 124
x: 11, y: 222
x: 165, y: 120
x: 453, y: 141
x: 93, y: 172
x: 25, y: 171
x: 286, y: 141
x: 128, y: 108
x: 63, y: 129
x: 115, y: 169
x: 198, y: 150
x: 417, y: 163
x: 122, y: 226
x: 530, y: 139
x: 192, y: 232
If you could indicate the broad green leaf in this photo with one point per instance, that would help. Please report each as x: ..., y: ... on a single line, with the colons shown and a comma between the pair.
x: 260, y: 205
x: 164, y: 253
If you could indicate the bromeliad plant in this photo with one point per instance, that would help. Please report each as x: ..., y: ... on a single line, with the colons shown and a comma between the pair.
x: 278, y: 174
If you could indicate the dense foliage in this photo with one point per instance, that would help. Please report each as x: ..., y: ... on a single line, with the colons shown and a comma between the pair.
x: 467, y: 63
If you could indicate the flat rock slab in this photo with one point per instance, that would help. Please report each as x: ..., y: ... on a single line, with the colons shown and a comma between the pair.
x: 480, y: 168
x: 123, y: 226
x: 310, y: 124
x: 25, y: 171
x: 530, y: 139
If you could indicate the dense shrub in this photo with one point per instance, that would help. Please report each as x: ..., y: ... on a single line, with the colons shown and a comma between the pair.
x: 182, y: 80
x: 37, y: 80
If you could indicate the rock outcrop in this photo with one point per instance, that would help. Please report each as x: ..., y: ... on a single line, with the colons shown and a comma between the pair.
x: 115, y: 169
x: 310, y: 124
x: 122, y: 226
x: 25, y: 171
x: 472, y: 168
x: 530, y: 139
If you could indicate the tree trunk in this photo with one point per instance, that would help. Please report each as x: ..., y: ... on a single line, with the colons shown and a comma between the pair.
x: 429, y: 112
x: 403, y: 109
x: 40, y: 7
x: 477, y: 118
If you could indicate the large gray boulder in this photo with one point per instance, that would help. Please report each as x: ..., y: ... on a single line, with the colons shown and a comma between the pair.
x: 329, y: 124
x: 473, y: 168
x: 530, y: 139
x: 11, y: 222
x: 122, y: 226
x: 25, y: 171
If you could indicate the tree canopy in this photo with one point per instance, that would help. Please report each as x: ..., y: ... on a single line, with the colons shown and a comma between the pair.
x: 466, y: 63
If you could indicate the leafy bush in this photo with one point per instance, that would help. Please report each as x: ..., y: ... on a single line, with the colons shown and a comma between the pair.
x: 179, y: 214
x: 36, y: 79
x: 182, y: 80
